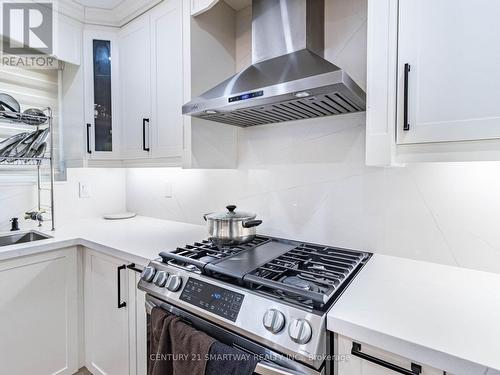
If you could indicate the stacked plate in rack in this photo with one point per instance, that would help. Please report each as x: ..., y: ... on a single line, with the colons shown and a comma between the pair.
x: 26, y: 145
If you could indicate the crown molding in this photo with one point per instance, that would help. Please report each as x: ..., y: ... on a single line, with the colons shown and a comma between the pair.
x: 125, y: 12
x: 70, y: 9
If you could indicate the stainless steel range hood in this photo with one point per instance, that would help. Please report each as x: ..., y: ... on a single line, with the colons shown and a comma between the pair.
x: 289, y: 78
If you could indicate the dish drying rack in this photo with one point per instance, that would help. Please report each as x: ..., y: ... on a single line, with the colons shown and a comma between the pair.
x: 47, y: 158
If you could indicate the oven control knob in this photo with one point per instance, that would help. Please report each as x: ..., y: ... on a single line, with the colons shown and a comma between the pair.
x: 274, y: 320
x: 174, y: 283
x: 160, y: 278
x: 148, y: 274
x: 300, y: 331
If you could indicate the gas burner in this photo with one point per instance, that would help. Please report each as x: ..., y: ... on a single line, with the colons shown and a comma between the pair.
x: 218, y: 253
x: 300, y: 283
x: 311, y: 276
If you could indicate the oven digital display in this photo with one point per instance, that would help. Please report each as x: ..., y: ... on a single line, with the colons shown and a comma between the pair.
x: 219, y: 301
x: 246, y: 96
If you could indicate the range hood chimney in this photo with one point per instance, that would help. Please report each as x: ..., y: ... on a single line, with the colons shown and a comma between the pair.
x: 289, y: 79
x: 283, y: 27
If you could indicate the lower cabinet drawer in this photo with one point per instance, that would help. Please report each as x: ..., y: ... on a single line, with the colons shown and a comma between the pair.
x: 361, y: 359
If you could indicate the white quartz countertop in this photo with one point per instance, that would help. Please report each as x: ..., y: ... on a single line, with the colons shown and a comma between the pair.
x: 442, y: 316
x: 446, y: 317
x: 138, y: 239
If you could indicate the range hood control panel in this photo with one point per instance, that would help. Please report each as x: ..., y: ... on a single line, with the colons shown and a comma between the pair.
x: 249, y: 95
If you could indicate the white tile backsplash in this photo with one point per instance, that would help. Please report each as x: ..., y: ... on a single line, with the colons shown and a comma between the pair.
x: 15, y: 199
x: 107, y: 195
x: 106, y: 187
x: 307, y: 180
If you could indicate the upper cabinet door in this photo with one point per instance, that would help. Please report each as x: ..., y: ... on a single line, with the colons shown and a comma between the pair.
x: 68, y: 40
x: 135, y: 88
x: 448, y: 76
x: 167, y: 79
x: 101, y: 94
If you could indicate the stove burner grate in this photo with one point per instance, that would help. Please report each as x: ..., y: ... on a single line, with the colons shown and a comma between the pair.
x: 301, y: 283
x: 195, y: 256
x: 310, y: 274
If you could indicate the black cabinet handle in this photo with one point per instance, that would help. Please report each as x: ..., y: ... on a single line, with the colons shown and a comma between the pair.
x: 144, y: 121
x: 356, y: 351
x: 133, y: 267
x: 406, y: 124
x: 118, y: 272
x: 89, y: 151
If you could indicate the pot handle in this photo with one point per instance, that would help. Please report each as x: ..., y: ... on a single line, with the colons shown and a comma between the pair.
x: 205, y: 216
x: 251, y: 223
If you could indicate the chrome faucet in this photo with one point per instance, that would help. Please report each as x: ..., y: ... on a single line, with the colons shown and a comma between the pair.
x: 35, y: 215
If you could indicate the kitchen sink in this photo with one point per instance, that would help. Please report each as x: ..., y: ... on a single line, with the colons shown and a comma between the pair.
x: 14, y: 239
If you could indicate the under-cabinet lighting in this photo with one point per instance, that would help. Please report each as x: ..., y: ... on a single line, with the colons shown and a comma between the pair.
x: 302, y: 94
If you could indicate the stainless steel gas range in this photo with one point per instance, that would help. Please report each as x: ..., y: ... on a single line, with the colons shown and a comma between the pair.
x: 269, y: 297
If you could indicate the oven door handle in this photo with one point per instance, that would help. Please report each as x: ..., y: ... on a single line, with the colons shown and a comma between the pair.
x: 266, y: 368
x: 149, y: 306
x: 262, y: 368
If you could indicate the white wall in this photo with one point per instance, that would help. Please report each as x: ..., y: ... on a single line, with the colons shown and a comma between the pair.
x: 107, y: 190
x: 308, y: 181
x: 15, y: 199
x: 107, y: 194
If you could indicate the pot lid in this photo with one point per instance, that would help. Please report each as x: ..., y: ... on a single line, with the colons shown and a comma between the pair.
x: 231, y: 214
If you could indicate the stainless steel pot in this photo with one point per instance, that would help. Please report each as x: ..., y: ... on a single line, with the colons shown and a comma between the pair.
x: 231, y: 227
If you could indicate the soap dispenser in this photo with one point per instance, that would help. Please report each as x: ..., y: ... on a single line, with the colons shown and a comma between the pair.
x: 14, y: 224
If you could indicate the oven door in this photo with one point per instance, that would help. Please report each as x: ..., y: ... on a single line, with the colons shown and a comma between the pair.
x: 279, y: 365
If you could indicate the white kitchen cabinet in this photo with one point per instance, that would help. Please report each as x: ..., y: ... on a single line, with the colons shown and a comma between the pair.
x: 115, y: 330
x: 454, y: 81
x: 68, y: 39
x: 158, y: 62
x: 85, y: 141
x: 39, y: 301
x: 450, y: 112
x: 188, y: 56
x: 101, y: 88
x: 106, y: 324
x: 180, y: 46
x: 135, y: 88
x: 167, y: 80
x: 151, y: 84
x: 349, y: 364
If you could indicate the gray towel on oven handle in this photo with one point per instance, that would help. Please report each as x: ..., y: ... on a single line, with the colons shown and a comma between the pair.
x: 160, y: 342
x: 224, y: 359
x: 176, y: 348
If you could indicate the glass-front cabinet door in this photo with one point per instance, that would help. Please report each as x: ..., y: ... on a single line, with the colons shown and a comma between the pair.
x: 101, y: 94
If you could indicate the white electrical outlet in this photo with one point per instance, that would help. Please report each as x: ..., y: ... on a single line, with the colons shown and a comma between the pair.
x: 84, y: 190
x: 168, y: 190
